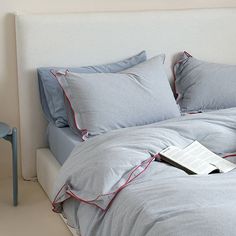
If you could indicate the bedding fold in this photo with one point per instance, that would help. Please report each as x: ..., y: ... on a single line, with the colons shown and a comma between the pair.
x: 122, y: 161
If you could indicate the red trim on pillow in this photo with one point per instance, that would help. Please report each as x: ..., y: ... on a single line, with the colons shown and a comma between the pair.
x: 55, y: 75
x: 57, y: 208
x: 187, y: 54
x: 175, y: 92
x: 178, y: 62
x: 84, y: 132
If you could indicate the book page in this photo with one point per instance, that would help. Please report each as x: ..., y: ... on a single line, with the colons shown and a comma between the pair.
x: 198, y: 150
x: 188, y: 160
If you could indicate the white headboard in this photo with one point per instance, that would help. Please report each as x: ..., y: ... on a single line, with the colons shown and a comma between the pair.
x: 95, y: 38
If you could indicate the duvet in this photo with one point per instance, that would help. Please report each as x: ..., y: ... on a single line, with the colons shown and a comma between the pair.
x: 112, y: 184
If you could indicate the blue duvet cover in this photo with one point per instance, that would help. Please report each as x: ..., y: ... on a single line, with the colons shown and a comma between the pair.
x: 112, y: 185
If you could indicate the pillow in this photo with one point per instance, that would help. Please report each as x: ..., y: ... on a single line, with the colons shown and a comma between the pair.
x: 106, y: 101
x: 204, y: 86
x: 51, y: 94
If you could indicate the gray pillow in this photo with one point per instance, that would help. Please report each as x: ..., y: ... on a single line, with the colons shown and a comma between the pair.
x: 51, y: 94
x: 204, y: 86
x: 106, y: 101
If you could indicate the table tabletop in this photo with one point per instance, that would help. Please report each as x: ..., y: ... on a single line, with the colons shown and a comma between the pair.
x: 4, y: 129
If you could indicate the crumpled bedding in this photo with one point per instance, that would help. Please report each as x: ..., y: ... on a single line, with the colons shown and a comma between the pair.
x: 112, y: 185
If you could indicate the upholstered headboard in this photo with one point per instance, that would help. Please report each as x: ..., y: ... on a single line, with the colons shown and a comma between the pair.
x: 95, y: 38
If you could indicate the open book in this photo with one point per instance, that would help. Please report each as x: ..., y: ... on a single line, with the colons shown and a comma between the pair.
x: 196, y: 159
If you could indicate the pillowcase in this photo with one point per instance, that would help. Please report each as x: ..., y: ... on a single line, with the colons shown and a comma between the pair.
x: 106, y: 101
x: 204, y: 86
x: 51, y: 94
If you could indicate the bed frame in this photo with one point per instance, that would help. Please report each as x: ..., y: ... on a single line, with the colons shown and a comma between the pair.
x: 96, y: 38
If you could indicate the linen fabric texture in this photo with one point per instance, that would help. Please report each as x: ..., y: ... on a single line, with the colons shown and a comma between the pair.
x: 51, y: 93
x: 106, y: 101
x: 204, y: 86
x: 159, y: 199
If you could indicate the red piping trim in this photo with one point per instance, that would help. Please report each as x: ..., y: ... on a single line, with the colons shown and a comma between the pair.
x: 178, y: 62
x: 187, y: 54
x: 84, y: 132
x: 82, y: 200
x: 90, y: 202
x: 230, y: 155
x: 127, y: 182
x: 175, y: 92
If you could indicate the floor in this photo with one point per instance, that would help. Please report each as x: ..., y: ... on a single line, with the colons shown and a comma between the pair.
x: 33, y: 215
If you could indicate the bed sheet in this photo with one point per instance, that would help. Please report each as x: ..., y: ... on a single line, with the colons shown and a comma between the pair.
x: 61, y: 142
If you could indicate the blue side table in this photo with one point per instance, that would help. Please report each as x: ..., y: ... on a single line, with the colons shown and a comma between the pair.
x: 11, y: 135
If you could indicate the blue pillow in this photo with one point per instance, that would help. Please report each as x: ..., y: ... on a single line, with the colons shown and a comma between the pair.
x: 51, y: 94
x: 204, y: 86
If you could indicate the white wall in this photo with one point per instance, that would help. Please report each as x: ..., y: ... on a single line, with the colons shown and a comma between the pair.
x: 9, y: 111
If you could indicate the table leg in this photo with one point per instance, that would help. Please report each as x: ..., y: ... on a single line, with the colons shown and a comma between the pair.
x: 14, y: 166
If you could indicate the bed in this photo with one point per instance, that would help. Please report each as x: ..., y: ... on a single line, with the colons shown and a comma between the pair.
x: 96, y: 38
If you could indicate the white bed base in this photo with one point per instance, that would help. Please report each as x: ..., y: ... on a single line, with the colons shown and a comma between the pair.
x: 96, y: 38
x: 47, y: 171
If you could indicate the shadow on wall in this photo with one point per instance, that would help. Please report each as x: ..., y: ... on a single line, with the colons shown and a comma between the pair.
x: 8, y: 89
x: 8, y: 80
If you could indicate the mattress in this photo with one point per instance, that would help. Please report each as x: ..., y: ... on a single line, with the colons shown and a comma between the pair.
x: 61, y: 142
